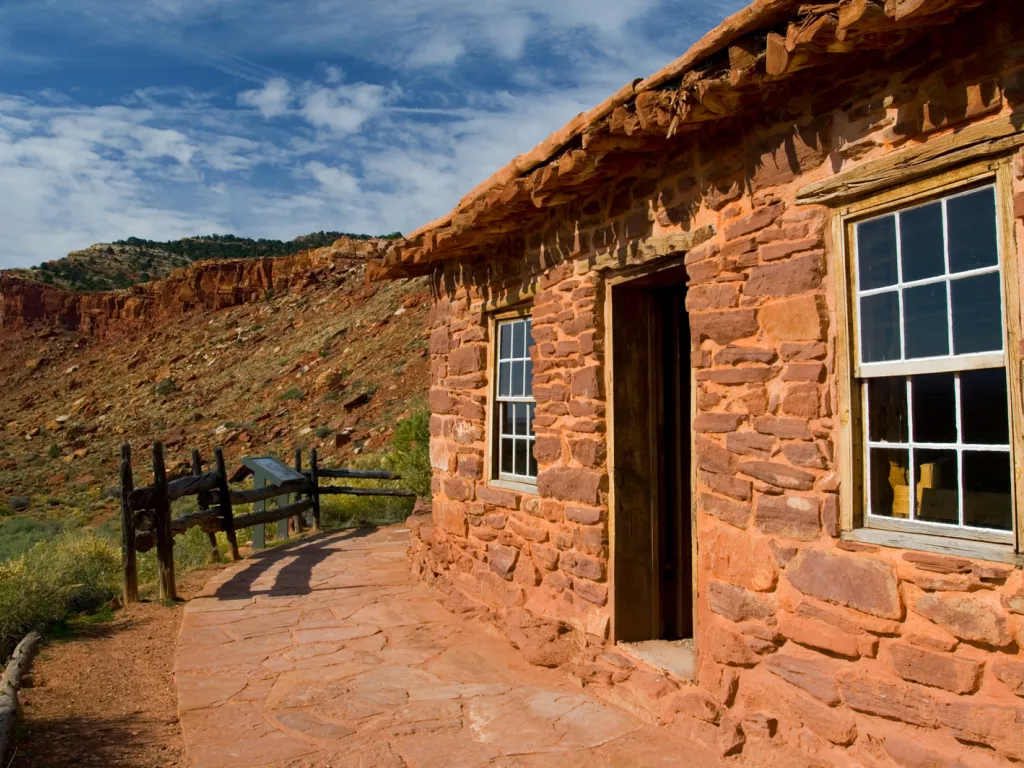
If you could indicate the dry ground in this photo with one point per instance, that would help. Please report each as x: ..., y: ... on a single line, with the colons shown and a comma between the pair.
x: 106, y: 696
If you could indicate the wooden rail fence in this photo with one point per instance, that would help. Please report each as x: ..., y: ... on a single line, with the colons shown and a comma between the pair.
x: 146, y: 511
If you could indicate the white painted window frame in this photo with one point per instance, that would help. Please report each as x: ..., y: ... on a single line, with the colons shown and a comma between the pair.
x: 855, y: 521
x: 502, y: 401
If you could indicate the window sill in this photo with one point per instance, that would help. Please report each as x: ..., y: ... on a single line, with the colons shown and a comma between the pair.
x: 978, y: 550
x: 512, y: 485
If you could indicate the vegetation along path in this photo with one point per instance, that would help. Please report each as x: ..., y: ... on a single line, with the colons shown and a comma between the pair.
x: 329, y: 653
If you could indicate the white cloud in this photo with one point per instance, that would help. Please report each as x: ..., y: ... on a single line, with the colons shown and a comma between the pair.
x: 345, y: 108
x: 421, y: 100
x: 271, y: 100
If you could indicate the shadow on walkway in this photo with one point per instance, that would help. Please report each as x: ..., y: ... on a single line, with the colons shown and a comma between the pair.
x: 294, y: 578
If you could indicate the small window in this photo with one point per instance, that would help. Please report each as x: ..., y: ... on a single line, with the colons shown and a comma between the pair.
x: 931, y: 368
x: 514, y: 403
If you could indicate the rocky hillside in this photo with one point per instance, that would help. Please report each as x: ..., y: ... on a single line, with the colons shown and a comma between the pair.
x: 110, y: 266
x: 259, y: 356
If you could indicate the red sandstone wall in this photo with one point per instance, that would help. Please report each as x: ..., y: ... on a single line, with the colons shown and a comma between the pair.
x: 831, y: 652
x: 207, y: 286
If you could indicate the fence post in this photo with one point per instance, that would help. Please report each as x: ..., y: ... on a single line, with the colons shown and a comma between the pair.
x: 314, y: 477
x: 164, y: 537
x: 197, y: 469
x: 129, y: 568
x: 300, y: 524
x: 225, y: 505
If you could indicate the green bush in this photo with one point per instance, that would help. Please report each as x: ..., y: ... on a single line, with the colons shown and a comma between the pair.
x: 75, y: 571
x: 167, y: 387
x: 292, y: 394
x: 54, y: 451
x: 410, y: 451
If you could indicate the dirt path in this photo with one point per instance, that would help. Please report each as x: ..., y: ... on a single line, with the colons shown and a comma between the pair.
x: 106, y: 696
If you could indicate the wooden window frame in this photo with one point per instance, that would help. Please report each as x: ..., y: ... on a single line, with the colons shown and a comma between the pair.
x: 492, y: 472
x: 850, y: 453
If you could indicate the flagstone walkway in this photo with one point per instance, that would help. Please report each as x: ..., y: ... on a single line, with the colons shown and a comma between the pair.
x: 330, y: 653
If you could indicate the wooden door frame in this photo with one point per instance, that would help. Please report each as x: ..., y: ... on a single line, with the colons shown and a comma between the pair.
x: 610, y: 283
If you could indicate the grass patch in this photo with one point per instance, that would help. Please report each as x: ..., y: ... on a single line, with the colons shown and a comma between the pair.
x: 292, y: 394
x: 20, y: 534
x: 409, y: 456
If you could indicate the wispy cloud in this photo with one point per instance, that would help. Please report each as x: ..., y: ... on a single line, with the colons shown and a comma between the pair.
x: 367, y: 117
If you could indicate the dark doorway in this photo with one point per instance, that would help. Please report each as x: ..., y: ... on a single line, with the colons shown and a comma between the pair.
x: 653, y: 568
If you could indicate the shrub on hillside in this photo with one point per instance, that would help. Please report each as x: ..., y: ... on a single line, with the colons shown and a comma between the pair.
x: 74, y: 572
x: 409, y: 456
x: 410, y: 451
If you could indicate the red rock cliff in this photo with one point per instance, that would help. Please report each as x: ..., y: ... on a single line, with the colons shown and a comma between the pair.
x: 205, y: 286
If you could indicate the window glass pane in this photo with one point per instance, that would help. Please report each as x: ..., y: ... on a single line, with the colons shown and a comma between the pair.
x: 533, y: 461
x: 984, y: 416
x: 505, y: 343
x: 507, y: 422
x: 880, y: 327
x: 972, y: 230
x: 921, y: 247
x: 518, y: 339
x: 887, y: 410
x: 876, y: 253
x: 504, y: 380
x: 529, y: 333
x: 987, y: 500
x: 937, y: 494
x: 934, y: 408
x: 977, y: 321
x: 517, y: 379
x: 521, y: 466
x: 889, y: 491
x: 520, y: 418
x: 507, y: 454
x: 533, y: 414
x: 528, y: 379
x: 924, y: 321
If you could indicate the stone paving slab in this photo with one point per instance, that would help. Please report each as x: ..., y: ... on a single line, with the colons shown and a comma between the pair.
x: 328, y: 653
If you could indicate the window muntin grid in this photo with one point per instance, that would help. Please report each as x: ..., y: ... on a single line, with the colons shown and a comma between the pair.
x: 514, y: 401
x: 930, y: 329
x: 928, y: 286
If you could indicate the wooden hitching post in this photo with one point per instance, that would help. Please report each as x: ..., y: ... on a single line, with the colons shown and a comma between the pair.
x: 164, y: 536
x: 197, y: 469
x: 225, y: 505
x: 300, y: 524
x: 314, y: 478
x: 129, y: 568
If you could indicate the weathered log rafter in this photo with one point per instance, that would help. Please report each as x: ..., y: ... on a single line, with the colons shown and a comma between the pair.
x: 733, y: 71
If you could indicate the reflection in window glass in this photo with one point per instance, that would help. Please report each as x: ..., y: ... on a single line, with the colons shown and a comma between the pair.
x: 937, y: 497
x: 922, y: 250
x: 973, y: 242
x: 925, y: 321
x: 889, y: 491
x: 880, y: 327
x: 876, y: 250
x: 887, y: 413
x: 977, y: 314
x: 983, y: 407
x: 988, y: 501
x: 934, y: 397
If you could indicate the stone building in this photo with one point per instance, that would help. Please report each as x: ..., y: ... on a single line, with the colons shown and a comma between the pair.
x: 726, y: 388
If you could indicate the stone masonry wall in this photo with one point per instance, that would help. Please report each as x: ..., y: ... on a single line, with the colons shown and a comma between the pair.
x: 811, y: 650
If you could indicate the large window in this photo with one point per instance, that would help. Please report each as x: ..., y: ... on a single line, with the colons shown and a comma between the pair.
x: 514, y: 402
x: 931, y: 368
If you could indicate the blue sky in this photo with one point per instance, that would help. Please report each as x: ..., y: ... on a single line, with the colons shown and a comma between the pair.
x: 168, y: 118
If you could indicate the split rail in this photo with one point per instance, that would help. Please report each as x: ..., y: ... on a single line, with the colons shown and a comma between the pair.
x: 146, y: 511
